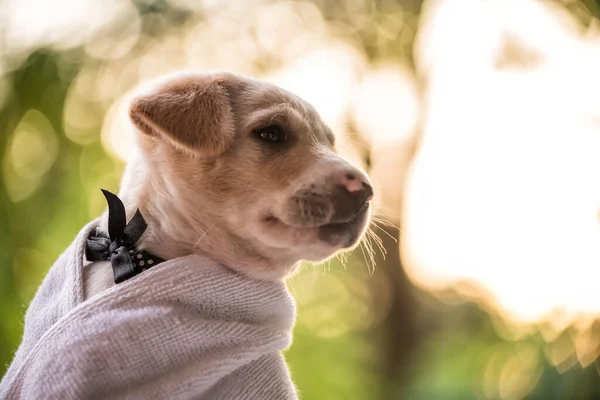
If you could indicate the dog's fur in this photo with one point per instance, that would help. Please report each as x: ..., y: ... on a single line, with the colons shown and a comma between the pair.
x: 207, y: 182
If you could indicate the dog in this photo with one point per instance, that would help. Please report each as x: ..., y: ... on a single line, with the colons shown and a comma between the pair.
x: 234, y: 181
x: 238, y: 170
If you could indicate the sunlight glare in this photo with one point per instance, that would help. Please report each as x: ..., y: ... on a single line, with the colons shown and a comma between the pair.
x: 504, y: 189
x: 326, y: 77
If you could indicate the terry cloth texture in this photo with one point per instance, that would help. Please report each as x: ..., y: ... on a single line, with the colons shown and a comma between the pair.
x: 187, y: 328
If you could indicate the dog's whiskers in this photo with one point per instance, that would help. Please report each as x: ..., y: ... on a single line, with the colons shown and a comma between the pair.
x: 381, y: 210
x: 343, y: 257
x: 357, y: 143
x: 371, y: 251
x: 384, y: 221
x: 379, y: 244
x: 362, y: 249
x: 372, y: 235
x: 384, y: 231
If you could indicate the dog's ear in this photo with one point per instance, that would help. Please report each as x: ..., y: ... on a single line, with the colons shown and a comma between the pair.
x: 192, y: 112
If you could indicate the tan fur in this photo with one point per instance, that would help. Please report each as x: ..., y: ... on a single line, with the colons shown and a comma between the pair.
x: 205, y: 183
x: 208, y: 129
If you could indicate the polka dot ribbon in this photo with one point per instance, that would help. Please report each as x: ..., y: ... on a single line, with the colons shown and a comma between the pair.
x: 120, y: 246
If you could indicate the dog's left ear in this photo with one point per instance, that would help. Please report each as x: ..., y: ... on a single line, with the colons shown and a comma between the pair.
x: 192, y: 112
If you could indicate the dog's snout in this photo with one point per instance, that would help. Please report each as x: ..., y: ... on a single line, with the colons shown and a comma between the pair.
x: 351, y: 195
x: 357, y: 187
x: 366, y: 194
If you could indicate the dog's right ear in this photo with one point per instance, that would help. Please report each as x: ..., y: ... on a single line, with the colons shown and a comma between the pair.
x: 192, y: 112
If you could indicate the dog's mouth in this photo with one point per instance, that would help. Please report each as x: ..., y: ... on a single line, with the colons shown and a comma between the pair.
x: 332, y: 232
x: 348, y: 231
x: 347, y: 222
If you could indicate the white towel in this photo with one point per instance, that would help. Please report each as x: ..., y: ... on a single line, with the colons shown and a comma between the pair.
x: 187, y: 328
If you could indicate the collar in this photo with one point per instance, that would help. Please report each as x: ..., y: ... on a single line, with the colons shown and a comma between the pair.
x: 119, y: 247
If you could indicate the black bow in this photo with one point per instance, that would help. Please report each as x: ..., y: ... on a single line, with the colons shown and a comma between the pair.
x: 119, y: 248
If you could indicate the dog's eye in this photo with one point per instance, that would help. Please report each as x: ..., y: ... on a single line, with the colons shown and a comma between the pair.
x: 271, y: 134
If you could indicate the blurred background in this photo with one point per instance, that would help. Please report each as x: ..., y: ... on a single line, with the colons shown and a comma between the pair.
x: 479, y: 121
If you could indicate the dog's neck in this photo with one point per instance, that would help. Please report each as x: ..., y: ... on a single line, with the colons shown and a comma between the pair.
x: 172, y: 232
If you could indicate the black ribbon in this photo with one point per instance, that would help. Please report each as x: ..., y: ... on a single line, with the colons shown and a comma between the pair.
x: 120, y: 247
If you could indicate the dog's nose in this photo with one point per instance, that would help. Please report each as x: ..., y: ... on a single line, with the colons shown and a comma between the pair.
x: 357, y: 187
x: 350, y: 196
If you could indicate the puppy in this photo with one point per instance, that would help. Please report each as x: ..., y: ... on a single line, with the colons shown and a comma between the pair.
x: 240, y: 171
x: 233, y: 183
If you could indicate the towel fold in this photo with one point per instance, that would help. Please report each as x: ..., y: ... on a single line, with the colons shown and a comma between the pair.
x: 187, y: 328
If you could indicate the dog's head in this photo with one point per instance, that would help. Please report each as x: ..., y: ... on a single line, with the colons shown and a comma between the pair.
x: 244, y: 171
